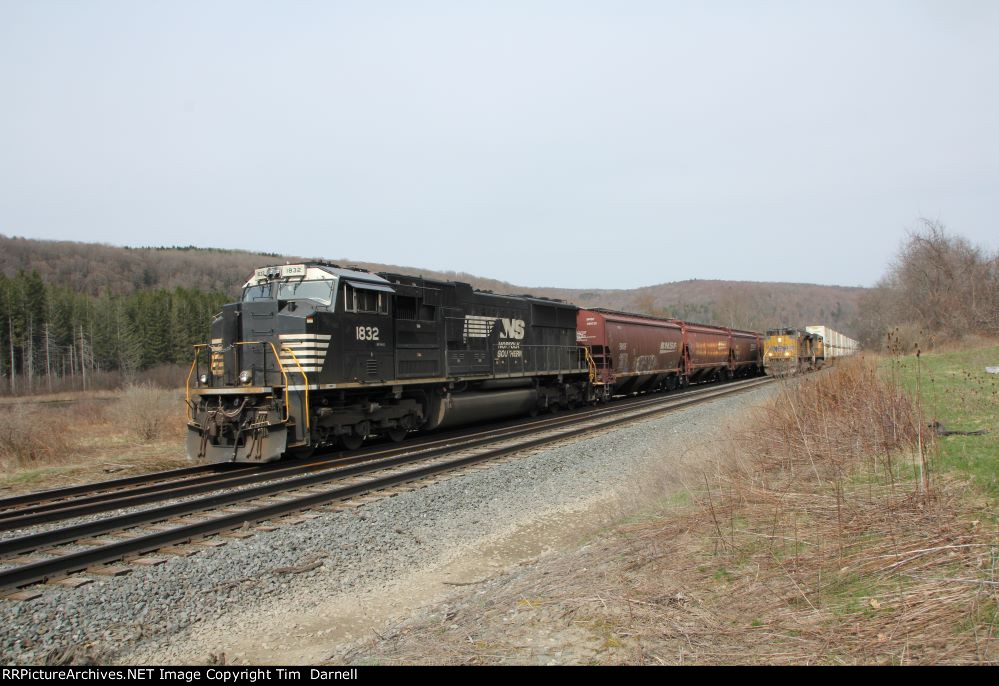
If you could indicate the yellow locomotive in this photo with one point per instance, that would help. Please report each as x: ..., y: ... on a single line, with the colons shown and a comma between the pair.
x: 789, y: 351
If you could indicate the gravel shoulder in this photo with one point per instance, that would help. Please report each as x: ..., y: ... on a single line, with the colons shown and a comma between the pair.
x: 263, y: 600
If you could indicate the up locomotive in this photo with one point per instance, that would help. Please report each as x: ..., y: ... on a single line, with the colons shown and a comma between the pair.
x: 789, y: 351
x: 317, y: 355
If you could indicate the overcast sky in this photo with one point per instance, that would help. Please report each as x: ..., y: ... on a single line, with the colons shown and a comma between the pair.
x: 575, y: 144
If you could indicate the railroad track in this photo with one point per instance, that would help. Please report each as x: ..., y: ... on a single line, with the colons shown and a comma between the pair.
x: 33, y: 509
x: 116, y: 493
x: 253, y: 496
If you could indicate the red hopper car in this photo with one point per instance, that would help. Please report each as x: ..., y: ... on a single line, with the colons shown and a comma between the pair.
x: 636, y: 353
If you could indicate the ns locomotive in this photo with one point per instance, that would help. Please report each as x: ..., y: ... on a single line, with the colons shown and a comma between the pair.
x: 317, y: 355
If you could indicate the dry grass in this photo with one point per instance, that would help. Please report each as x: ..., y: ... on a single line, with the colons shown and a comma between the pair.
x: 817, y: 535
x: 87, y: 436
x: 821, y: 536
x: 148, y: 413
x: 29, y: 437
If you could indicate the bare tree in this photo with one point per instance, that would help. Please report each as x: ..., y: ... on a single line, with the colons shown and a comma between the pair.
x: 940, y: 283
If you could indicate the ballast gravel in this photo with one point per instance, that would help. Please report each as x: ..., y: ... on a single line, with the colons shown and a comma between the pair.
x: 124, y: 618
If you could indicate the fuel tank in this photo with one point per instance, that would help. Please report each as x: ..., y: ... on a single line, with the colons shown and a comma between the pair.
x: 456, y: 409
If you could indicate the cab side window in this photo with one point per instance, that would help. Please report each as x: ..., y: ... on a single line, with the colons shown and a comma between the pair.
x: 364, y: 301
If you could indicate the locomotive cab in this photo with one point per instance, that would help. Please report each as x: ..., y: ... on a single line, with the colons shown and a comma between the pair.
x: 269, y: 355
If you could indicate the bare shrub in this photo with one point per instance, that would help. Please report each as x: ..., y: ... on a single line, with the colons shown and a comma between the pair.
x: 29, y: 437
x: 149, y: 413
x: 827, y: 423
x: 86, y: 412
x: 164, y: 375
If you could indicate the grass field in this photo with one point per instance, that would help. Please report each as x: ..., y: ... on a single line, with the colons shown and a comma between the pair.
x: 80, y: 437
x: 954, y: 390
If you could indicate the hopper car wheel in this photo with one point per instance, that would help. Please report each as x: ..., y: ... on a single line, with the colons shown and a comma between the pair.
x: 351, y: 441
x: 396, y: 435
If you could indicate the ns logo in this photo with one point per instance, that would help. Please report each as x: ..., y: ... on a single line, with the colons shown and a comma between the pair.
x: 478, y: 326
x: 512, y: 328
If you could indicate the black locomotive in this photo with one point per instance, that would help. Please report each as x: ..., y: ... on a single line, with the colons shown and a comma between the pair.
x: 316, y: 355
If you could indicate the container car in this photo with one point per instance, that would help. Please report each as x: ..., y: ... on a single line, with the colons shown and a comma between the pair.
x: 835, y: 344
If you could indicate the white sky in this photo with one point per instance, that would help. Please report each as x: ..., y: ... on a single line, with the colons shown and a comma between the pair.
x: 574, y: 144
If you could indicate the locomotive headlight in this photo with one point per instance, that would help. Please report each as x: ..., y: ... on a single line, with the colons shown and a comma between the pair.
x: 245, y: 377
x: 203, y: 379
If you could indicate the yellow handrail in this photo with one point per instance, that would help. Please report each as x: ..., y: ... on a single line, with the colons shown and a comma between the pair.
x: 187, y: 383
x: 277, y: 358
x: 305, y: 377
x: 591, y: 364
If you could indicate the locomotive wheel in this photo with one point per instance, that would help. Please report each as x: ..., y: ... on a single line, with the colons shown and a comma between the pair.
x: 396, y: 435
x: 351, y: 441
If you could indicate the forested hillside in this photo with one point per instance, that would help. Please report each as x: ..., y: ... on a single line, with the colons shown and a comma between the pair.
x: 55, y: 337
x: 80, y: 311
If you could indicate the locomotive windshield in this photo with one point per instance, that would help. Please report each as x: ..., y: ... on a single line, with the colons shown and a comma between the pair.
x: 319, y: 291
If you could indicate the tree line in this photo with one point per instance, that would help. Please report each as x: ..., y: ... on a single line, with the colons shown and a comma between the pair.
x: 939, y: 287
x: 54, y: 337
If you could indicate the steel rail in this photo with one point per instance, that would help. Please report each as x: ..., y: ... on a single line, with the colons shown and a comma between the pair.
x: 39, y: 571
x: 47, y: 499
x: 68, y: 491
x: 74, y: 532
x: 108, y: 501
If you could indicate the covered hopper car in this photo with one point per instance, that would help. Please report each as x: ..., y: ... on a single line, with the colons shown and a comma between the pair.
x: 637, y: 353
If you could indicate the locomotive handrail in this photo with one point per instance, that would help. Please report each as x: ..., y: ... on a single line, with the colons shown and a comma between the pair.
x: 284, y: 375
x: 304, y: 377
x: 187, y: 383
x: 551, y: 362
x: 591, y: 364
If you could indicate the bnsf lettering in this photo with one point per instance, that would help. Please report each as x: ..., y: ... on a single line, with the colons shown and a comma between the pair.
x: 367, y: 333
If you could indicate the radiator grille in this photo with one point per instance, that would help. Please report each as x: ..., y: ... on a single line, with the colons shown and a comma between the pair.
x: 418, y: 367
